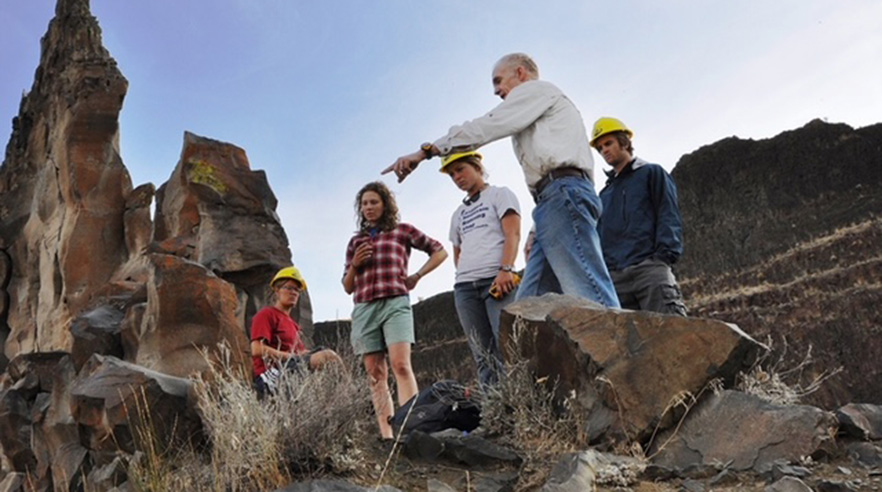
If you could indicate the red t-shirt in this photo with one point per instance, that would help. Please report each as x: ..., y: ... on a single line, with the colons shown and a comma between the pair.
x: 277, y: 330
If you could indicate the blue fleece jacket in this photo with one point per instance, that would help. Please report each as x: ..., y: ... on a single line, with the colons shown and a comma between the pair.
x: 640, y: 216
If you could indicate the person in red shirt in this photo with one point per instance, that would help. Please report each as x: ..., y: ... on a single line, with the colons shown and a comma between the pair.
x: 377, y: 276
x: 275, y: 336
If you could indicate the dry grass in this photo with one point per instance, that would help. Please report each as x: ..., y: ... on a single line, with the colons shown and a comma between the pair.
x: 321, y: 424
x: 313, y: 427
x: 772, y: 381
x: 681, y: 404
x: 308, y: 429
x: 523, y: 411
x: 159, y: 465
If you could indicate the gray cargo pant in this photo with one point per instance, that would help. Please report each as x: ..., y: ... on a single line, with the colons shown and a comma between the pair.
x: 649, y: 286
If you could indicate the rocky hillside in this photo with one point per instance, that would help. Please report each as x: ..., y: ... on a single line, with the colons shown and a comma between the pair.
x: 782, y: 238
x: 107, y: 313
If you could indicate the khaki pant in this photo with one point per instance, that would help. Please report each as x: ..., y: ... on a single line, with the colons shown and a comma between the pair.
x: 649, y: 286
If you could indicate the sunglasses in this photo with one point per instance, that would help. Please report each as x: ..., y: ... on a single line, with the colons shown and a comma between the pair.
x: 290, y: 288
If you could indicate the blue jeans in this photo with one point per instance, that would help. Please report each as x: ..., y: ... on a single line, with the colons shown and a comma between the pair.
x: 566, y: 256
x: 479, y: 315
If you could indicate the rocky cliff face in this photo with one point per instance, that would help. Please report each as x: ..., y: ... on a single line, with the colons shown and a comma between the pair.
x: 75, y: 236
x: 782, y: 237
x: 745, y: 201
x: 216, y: 211
x: 101, y: 309
x: 63, y: 185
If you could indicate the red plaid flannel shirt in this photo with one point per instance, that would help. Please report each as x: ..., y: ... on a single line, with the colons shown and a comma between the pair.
x: 383, y: 275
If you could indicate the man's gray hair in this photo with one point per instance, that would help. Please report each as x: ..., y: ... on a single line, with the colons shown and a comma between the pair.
x: 521, y: 60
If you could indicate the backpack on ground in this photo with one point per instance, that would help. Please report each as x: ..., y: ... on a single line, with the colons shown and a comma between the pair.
x: 443, y: 405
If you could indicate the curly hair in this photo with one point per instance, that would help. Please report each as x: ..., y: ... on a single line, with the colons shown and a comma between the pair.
x: 389, y: 219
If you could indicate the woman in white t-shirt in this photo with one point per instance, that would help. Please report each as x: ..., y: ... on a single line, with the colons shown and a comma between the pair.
x: 485, y: 231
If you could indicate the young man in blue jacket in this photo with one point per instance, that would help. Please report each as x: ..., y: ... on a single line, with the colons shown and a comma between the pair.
x: 640, y: 229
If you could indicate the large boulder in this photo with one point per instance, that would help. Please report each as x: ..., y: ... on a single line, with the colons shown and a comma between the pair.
x: 861, y: 420
x: 226, y: 212
x: 57, y: 434
x: 189, y: 312
x: 96, y: 331
x: 626, y: 370
x: 15, y: 431
x: 114, y: 403
x: 63, y: 186
x: 745, y: 433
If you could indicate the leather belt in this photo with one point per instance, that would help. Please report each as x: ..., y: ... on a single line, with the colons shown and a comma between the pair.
x: 557, y: 173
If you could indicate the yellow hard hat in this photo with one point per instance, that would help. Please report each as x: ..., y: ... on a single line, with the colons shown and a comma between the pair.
x: 607, y: 125
x: 292, y: 273
x: 450, y: 159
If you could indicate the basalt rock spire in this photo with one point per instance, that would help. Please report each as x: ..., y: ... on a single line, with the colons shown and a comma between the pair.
x: 63, y: 184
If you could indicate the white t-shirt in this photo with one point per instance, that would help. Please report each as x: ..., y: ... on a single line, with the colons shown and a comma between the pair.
x: 476, y: 229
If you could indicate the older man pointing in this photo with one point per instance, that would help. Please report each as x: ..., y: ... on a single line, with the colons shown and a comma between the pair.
x: 551, y: 144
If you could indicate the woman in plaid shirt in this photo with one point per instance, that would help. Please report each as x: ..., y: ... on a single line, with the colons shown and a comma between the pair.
x: 377, y: 275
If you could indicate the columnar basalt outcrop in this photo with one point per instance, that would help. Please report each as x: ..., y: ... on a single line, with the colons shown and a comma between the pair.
x: 5, y: 274
x: 188, y: 309
x: 99, y: 305
x: 745, y: 201
x: 216, y: 211
x: 63, y: 184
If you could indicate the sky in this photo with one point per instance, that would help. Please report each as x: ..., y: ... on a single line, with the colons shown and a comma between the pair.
x: 324, y: 95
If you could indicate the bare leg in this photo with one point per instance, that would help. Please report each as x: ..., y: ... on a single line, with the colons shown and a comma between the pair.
x: 324, y: 358
x: 378, y: 376
x: 399, y: 359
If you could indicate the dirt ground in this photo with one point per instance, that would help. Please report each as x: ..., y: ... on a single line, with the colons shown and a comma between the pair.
x: 839, y: 475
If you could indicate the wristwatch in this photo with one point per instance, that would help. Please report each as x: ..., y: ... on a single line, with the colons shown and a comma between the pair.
x: 507, y: 268
x: 427, y: 149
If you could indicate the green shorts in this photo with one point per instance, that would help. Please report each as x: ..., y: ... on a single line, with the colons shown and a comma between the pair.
x: 380, y: 323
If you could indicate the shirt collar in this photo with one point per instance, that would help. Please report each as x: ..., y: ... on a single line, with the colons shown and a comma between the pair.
x: 636, y: 163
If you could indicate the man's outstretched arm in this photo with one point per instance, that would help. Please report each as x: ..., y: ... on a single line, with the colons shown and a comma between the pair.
x: 405, y: 164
